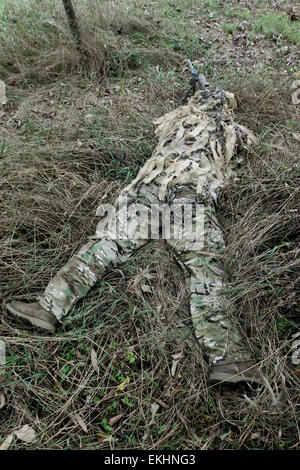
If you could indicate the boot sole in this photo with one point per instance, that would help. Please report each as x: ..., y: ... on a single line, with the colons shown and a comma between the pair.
x: 232, y: 378
x: 33, y: 320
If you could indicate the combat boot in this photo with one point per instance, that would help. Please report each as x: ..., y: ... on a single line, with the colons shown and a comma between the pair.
x: 235, y: 372
x: 34, y: 313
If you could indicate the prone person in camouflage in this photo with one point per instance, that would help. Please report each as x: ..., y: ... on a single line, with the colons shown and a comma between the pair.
x: 194, y: 157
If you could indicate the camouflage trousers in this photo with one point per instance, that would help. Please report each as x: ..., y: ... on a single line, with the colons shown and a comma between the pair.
x: 201, y: 260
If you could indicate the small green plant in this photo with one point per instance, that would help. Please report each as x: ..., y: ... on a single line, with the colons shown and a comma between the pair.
x: 131, y: 357
x: 229, y: 28
x: 106, y: 426
x: 128, y: 402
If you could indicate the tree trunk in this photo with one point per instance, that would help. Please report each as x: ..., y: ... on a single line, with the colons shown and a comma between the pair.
x: 74, y: 26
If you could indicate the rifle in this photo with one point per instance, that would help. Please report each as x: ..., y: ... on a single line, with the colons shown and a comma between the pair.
x: 197, y: 82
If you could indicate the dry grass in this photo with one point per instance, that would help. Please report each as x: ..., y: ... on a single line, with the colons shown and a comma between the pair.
x: 39, y: 48
x: 71, y: 140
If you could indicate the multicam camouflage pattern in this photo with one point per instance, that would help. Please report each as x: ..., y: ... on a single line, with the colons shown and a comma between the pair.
x: 196, y: 144
x: 193, y: 159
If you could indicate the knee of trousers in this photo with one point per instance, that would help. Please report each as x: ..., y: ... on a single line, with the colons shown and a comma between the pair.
x: 98, y: 255
x: 75, y: 277
x: 105, y: 253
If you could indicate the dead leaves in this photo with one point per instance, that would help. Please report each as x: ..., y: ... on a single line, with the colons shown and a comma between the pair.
x: 140, y: 284
x: 115, y: 419
x: 154, y: 409
x: 78, y: 420
x: 3, y: 99
x: 296, y: 136
x: 6, y: 443
x: 94, y: 360
x: 146, y: 288
x: 2, y: 400
x: 103, y: 437
x: 176, y: 359
x: 26, y: 434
